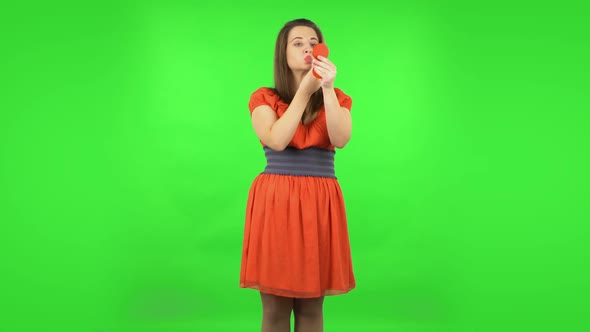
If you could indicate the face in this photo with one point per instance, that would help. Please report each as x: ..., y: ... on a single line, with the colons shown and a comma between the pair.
x: 300, y: 42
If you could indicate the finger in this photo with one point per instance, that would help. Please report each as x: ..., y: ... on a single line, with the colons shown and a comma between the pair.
x: 325, y: 60
x: 324, y: 71
x: 327, y: 68
x: 321, y: 71
x: 318, y: 64
x: 323, y: 66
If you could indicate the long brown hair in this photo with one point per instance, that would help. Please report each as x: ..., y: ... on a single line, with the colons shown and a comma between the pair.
x: 283, y: 77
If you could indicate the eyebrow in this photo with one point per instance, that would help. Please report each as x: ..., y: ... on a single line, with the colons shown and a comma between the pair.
x: 302, y: 38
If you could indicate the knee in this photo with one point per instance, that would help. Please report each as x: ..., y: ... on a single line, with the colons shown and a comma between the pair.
x: 308, y: 308
x: 276, y: 313
x: 276, y: 308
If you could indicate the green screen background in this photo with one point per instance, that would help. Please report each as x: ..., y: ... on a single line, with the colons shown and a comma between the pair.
x: 126, y: 155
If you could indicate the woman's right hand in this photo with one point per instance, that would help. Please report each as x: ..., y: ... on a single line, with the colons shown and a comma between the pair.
x: 310, y: 84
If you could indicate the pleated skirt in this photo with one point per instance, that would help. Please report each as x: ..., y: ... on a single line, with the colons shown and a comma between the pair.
x: 296, y: 242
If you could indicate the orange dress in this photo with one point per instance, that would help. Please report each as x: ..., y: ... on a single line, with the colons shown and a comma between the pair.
x: 296, y: 241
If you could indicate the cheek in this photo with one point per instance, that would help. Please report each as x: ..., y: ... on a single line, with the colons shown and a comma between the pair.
x: 291, y: 56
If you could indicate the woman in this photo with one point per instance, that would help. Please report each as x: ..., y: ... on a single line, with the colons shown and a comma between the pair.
x: 296, y: 246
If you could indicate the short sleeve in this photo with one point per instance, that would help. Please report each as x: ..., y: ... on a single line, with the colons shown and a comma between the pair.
x: 343, y: 99
x: 263, y: 96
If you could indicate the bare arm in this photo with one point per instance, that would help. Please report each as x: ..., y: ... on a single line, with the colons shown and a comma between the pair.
x: 276, y: 132
x: 338, y: 119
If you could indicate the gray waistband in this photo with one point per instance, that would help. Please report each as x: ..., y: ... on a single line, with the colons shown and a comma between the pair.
x: 304, y: 162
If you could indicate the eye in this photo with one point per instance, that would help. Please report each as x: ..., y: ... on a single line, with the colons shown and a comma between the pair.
x: 297, y: 44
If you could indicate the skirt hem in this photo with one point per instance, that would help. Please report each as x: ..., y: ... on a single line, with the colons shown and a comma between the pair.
x: 293, y: 293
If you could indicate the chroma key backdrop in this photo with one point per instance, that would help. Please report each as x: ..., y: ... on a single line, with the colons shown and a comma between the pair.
x: 127, y: 153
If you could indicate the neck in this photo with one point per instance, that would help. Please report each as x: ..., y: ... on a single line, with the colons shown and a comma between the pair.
x: 298, y: 77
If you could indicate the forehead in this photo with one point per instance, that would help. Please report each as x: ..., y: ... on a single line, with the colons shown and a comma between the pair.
x: 302, y: 31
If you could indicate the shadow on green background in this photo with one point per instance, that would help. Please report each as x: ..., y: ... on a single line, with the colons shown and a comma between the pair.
x: 127, y: 152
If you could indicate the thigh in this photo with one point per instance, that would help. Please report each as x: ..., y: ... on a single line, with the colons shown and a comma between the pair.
x: 276, y: 303
x: 304, y: 306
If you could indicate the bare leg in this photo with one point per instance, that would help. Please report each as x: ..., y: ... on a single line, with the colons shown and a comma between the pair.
x: 276, y: 313
x: 309, y: 316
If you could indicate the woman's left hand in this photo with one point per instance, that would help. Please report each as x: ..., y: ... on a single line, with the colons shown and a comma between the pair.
x: 326, y: 69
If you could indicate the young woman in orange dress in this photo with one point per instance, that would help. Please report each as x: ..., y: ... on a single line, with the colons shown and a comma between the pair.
x: 296, y: 246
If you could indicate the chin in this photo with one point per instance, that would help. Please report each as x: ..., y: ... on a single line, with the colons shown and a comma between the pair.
x: 300, y: 70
